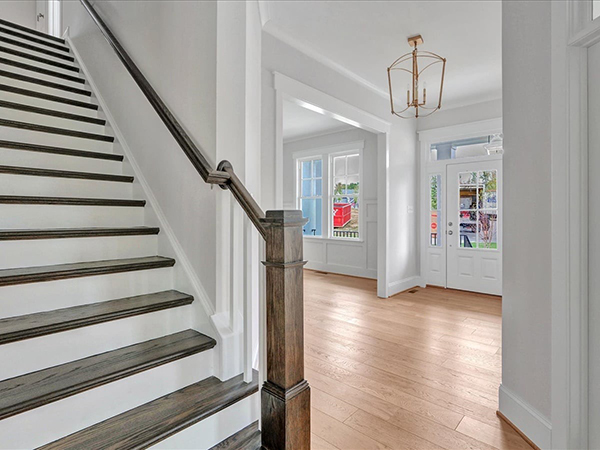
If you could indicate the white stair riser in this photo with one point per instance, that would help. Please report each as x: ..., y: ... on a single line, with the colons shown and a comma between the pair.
x: 41, y: 76
x: 54, y: 140
x: 62, y: 187
x: 44, y: 89
x: 36, y: 53
x: 51, y: 121
x: 68, y: 216
x: 66, y: 416
x: 42, y: 252
x: 40, y: 160
x: 29, y: 298
x: 51, y: 350
x: 27, y: 41
x: 48, y: 104
x: 41, y: 64
x: 216, y: 428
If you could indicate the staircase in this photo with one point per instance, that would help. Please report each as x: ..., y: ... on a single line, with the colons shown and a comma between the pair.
x: 96, y: 343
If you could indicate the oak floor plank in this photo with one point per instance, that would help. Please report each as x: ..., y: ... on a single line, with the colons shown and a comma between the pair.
x: 388, y: 434
x: 504, y: 437
x: 341, y: 435
x: 420, y: 369
x: 330, y: 405
x: 318, y: 443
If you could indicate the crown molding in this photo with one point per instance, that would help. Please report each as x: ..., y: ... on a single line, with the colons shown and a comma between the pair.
x: 274, y: 30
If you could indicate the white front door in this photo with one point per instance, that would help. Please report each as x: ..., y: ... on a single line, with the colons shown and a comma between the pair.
x: 474, y: 226
x: 41, y: 16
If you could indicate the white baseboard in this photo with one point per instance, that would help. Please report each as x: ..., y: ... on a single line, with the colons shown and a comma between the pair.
x: 401, y: 285
x: 526, y: 418
x: 342, y: 270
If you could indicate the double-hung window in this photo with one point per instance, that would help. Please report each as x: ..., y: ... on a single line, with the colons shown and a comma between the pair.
x: 345, y: 194
x: 310, y: 194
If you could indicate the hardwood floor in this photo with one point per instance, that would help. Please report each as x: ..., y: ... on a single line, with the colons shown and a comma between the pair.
x: 416, y: 371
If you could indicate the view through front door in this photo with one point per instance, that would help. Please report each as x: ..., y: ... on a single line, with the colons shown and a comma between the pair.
x: 473, y: 227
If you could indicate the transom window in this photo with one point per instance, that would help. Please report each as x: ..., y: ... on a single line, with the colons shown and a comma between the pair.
x: 311, y: 194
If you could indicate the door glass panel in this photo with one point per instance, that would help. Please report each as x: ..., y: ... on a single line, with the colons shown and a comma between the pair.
x: 435, y: 207
x: 595, y: 9
x: 488, y: 230
x: 478, y: 209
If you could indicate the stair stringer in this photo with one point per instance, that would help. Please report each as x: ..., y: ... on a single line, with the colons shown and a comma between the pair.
x: 227, y: 353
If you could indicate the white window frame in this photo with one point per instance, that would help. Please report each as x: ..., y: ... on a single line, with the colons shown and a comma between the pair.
x: 298, y: 181
x: 325, y: 154
x: 330, y: 196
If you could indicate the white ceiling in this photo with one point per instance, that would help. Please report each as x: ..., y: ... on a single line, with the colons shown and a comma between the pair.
x: 365, y: 37
x: 299, y: 122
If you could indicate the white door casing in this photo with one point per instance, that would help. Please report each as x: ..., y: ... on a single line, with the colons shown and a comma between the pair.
x: 474, y: 226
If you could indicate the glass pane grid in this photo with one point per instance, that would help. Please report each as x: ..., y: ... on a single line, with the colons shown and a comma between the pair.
x: 478, y: 210
x: 344, y: 200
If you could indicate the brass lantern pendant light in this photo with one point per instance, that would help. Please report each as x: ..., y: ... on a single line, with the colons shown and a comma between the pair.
x: 416, y: 93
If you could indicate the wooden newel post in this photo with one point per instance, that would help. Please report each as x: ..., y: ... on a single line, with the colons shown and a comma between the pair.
x: 285, y: 394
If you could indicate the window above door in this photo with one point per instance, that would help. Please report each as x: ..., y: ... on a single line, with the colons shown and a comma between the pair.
x: 464, y: 148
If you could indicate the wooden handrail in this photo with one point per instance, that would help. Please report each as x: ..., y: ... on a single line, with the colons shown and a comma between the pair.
x: 285, y: 395
x: 225, y: 178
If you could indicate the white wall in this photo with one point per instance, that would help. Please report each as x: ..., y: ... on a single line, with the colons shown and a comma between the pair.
x: 402, y: 246
x: 21, y: 12
x: 473, y: 113
x: 526, y: 310
x: 334, y: 255
x: 174, y: 44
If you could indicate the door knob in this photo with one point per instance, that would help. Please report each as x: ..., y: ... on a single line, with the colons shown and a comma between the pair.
x: 449, y: 224
x: 450, y: 232
x: 40, y: 16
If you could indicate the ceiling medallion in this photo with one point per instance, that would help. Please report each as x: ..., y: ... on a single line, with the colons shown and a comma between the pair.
x: 416, y: 94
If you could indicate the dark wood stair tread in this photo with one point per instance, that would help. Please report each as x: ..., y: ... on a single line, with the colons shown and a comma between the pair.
x: 65, y: 233
x: 53, y: 73
x: 39, y: 324
x: 39, y: 59
x: 74, y: 201
x: 31, y: 31
x: 51, y: 112
x: 49, y: 97
x: 247, y: 438
x: 38, y: 274
x: 36, y: 48
x: 55, y: 130
x: 155, y: 421
x: 11, y: 32
x: 59, y: 150
x: 31, y: 171
x: 45, y: 386
x: 41, y: 82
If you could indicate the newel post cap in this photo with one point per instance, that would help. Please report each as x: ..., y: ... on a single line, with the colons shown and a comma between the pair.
x: 284, y: 218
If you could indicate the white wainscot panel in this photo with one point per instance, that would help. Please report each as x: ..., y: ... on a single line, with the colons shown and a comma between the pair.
x: 489, y: 268
x: 465, y: 266
x: 435, y: 263
x: 372, y: 245
x: 371, y: 210
x: 314, y: 250
x: 347, y: 255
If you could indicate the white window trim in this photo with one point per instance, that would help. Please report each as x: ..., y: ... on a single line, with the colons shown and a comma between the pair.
x: 325, y: 154
x: 298, y: 183
x: 332, y: 155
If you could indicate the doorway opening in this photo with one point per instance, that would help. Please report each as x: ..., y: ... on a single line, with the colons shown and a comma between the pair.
x: 461, y: 224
